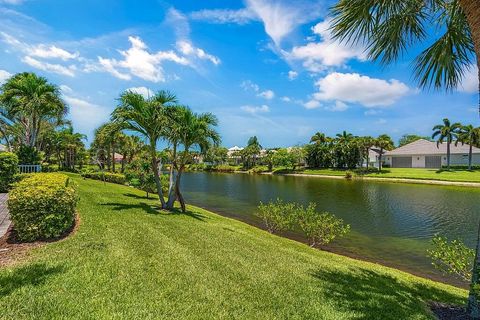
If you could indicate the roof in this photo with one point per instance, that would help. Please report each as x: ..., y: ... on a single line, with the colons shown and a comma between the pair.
x: 422, y: 146
x: 235, y: 148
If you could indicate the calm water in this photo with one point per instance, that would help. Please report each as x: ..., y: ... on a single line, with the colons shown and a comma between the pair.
x: 391, y: 223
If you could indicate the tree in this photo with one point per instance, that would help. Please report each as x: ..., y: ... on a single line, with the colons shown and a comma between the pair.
x: 28, y: 101
x: 365, y: 144
x: 319, y: 138
x: 388, y: 29
x: 471, y: 136
x: 446, y: 132
x: 191, y: 130
x: 382, y: 143
x: 409, y: 138
x: 216, y: 155
x: 146, y: 116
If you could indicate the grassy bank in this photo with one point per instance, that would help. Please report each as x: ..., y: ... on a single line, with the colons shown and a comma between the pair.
x: 127, y: 260
x: 409, y: 173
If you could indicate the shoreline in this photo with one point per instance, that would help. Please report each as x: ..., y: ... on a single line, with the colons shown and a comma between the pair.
x: 394, y: 180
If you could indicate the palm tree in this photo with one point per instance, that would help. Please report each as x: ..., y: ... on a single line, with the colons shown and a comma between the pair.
x: 253, y: 149
x: 319, y: 138
x: 471, y: 136
x: 382, y: 143
x: 146, y: 116
x: 190, y: 130
x: 30, y: 100
x: 388, y: 29
x: 344, y: 137
x: 446, y: 132
x: 365, y: 144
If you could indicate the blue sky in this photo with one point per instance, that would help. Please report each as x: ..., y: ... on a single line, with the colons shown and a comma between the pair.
x: 264, y: 67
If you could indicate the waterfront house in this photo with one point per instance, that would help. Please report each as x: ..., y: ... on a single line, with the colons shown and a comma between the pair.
x: 427, y: 154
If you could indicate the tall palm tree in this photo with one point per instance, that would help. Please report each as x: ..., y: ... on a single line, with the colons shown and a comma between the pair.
x: 146, y: 116
x: 195, y: 130
x: 388, y: 29
x: 446, y: 132
x: 30, y: 100
x: 471, y: 136
x: 319, y: 138
x: 344, y: 137
x: 382, y: 143
x: 253, y: 149
x: 365, y: 144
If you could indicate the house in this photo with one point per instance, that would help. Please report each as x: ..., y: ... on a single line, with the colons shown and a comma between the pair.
x: 3, y: 148
x: 426, y: 154
x: 233, y: 150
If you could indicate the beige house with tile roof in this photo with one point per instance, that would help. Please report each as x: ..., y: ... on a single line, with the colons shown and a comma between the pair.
x: 426, y: 154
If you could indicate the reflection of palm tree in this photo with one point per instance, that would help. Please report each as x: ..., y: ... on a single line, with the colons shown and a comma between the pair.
x: 446, y: 132
x: 471, y: 136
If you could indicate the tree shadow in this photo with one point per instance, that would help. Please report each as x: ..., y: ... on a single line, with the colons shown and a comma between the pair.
x: 30, y: 275
x: 188, y: 213
x: 371, y: 295
x: 136, y: 196
x: 145, y: 207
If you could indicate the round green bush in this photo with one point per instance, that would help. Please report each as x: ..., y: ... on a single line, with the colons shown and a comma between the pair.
x: 42, y: 206
x: 8, y: 170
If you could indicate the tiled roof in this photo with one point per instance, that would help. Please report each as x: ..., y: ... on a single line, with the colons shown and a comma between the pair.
x: 421, y: 147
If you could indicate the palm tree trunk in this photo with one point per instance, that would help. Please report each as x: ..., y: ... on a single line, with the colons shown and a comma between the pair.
x: 472, y: 12
x: 113, y: 159
x: 470, y: 157
x: 448, y: 155
x: 473, y: 307
x: 156, y: 174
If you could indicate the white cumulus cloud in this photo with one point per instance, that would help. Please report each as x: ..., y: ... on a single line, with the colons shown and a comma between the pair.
x: 470, y: 80
x: 144, y: 91
x: 51, y: 52
x: 267, y: 94
x: 255, y: 109
x: 355, y: 88
x: 312, y: 104
x: 50, y: 67
x: 86, y: 116
x: 317, y: 56
x: 139, y: 62
x: 292, y: 75
x: 4, y: 75
x: 221, y: 16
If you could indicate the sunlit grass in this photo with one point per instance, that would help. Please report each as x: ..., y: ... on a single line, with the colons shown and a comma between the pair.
x: 130, y: 261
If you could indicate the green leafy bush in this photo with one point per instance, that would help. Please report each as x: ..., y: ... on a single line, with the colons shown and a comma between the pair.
x: 105, y: 176
x: 42, y: 206
x: 349, y: 174
x: 320, y: 228
x: 28, y: 155
x: 452, y: 257
x: 8, y: 170
x: 277, y: 215
x: 140, y: 175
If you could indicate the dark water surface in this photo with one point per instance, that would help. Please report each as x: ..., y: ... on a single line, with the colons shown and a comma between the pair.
x: 391, y: 223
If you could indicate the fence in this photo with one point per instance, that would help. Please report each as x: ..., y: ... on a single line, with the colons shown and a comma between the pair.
x: 29, y: 168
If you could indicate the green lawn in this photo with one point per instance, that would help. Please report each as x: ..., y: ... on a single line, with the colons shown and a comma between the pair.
x: 128, y: 261
x: 410, y: 173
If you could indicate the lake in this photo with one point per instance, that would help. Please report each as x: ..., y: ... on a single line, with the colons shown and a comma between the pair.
x: 391, y: 223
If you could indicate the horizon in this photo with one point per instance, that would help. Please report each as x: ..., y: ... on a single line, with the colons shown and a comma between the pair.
x: 263, y: 67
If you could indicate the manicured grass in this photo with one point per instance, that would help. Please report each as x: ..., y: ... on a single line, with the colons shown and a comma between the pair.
x: 130, y: 261
x: 410, y: 173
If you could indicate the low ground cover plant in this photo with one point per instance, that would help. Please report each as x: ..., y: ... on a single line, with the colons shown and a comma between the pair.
x: 117, y: 178
x: 42, y: 206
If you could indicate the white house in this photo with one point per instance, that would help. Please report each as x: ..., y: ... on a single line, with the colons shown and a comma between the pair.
x: 426, y: 154
x: 3, y: 148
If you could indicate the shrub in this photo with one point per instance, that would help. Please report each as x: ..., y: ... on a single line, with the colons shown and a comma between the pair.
x: 452, y: 257
x: 105, y: 176
x: 42, y: 206
x: 140, y: 175
x: 28, y: 155
x: 8, y: 170
x: 349, y: 174
x: 320, y: 228
x: 276, y: 215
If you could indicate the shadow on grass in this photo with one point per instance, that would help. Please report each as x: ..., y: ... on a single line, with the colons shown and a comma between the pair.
x: 145, y: 207
x: 372, y: 295
x: 31, y: 275
x: 152, y: 196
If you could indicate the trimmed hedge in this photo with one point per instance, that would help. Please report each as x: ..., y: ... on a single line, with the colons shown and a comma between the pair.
x: 8, y: 170
x: 42, y: 206
x: 109, y: 177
